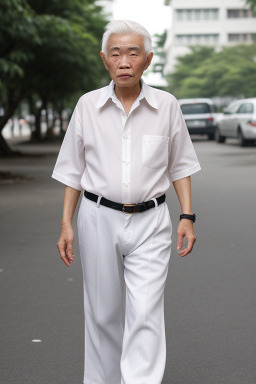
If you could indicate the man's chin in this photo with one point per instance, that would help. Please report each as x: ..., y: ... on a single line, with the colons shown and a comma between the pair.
x: 128, y: 82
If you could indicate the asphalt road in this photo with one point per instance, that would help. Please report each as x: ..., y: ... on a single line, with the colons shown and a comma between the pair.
x: 210, y: 294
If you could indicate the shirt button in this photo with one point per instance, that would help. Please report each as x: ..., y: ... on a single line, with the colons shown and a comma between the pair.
x: 125, y: 137
x: 126, y: 184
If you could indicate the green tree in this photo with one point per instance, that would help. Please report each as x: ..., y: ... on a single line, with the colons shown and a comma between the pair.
x: 49, y: 51
x: 18, y: 33
x: 159, y: 51
x: 252, y: 4
x: 206, y: 73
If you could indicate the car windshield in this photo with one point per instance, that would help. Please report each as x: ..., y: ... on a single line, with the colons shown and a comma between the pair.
x: 195, y: 109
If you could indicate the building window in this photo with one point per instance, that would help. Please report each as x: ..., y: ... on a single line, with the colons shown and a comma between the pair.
x: 198, y: 39
x: 206, y: 38
x: 179, y: 14
x: 233, y: 37
x: 189, y: 39
x: 215, y: 39
x: 197, y: 14
x: 188, y: 14
x: 180, y: 39
x: 214, y: 14
x: 239, y: 13
x: 233, y: 13
x: 206, y: 14
x: 241, y: 37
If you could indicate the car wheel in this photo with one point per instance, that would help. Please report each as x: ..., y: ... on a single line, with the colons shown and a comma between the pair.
x: 218, y: 137
x: 211, y: 136
x: 242, y: 141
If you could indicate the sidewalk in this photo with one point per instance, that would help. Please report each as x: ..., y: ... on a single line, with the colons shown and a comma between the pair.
x: 34, y: 155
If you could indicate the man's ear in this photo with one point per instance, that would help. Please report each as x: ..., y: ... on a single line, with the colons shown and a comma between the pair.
x: 102, y: 55
x: 149, y: 59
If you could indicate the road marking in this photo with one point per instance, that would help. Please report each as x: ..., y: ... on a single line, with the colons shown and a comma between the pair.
x: 36, y: 341
x: 70, y: 279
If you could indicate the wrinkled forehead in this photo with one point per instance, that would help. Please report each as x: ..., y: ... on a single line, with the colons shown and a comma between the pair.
x: 126, y: 42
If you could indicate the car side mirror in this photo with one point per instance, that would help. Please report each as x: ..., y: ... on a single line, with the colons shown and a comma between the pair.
x: 226, y: 111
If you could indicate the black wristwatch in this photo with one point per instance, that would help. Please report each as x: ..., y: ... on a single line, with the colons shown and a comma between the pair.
x: 189, y: 217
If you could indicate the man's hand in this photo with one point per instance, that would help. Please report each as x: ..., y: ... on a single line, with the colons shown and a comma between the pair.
x: 65, y: 245
x: 185, y: 229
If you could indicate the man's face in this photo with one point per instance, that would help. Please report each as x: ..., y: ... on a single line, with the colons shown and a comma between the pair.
x: 126, y: 59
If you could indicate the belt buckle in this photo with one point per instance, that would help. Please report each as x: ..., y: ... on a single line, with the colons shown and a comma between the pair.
x: 128, y: 205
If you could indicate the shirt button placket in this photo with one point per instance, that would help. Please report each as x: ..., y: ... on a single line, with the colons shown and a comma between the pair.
x: 126, y: 157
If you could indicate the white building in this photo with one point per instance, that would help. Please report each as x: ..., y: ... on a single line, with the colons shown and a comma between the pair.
x: 215, y: 23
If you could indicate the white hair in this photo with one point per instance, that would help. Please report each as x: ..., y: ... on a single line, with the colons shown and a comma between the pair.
x: 118, y: 27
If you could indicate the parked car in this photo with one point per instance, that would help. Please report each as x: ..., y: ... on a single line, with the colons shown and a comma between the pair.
x: 238, y: 121
x: 200, y: 116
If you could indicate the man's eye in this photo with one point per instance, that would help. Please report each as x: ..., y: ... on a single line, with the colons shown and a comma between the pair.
x: 133, y: 54
x: 115, y: 54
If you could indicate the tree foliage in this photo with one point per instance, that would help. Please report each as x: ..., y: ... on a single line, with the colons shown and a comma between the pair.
x: 252, y: 4
x: 206, y: 73
x: 49, y: 50
x: 159, y: 51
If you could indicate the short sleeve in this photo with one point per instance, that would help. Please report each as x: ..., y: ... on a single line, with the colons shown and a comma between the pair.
x: 183, y: 161
x: 70, y: 164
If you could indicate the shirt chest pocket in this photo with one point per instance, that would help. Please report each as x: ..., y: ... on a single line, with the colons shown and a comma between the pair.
x: 155, y: 151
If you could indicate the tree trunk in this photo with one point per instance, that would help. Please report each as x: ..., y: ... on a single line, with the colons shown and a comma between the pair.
x: 61, y: 124
x: 46, y: 119
x: 37, y: 133
x: 5, y: 150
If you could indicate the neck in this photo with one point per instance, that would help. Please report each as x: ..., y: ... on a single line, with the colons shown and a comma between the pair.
x: 127, y: 94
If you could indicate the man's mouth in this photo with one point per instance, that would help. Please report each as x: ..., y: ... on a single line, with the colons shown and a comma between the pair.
x: 124, y: 76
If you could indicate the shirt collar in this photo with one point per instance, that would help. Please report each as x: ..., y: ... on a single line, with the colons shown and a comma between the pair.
x: 146, y: 91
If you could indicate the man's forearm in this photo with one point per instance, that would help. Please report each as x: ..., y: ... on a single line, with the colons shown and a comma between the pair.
x: 183, y: 191
x: 185, y: 227
x: 71, y: 197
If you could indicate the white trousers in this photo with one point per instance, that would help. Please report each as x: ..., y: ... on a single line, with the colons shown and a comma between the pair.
x: 125, y: 260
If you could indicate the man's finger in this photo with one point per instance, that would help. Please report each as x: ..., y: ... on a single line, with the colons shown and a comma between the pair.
x: 69, y: 251
x: 179, y: 241
x: 63, y: 255
x: 189, y: 247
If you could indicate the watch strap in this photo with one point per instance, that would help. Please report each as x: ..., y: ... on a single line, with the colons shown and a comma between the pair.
x: 189, y: 217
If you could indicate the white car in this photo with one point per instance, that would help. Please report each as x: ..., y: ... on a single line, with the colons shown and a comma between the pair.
x: 200, y: 116
x: 238, y: 121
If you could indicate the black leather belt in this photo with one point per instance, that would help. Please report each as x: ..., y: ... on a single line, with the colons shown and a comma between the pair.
x: 126, y: 208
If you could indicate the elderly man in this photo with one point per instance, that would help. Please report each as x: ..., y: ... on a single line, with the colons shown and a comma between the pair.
x: 124, y: 146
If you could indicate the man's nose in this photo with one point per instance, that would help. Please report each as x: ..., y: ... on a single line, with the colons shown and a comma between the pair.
x: 124, y: 62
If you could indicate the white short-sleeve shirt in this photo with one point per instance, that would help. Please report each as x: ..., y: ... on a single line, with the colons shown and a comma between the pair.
x: 127, y: 159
